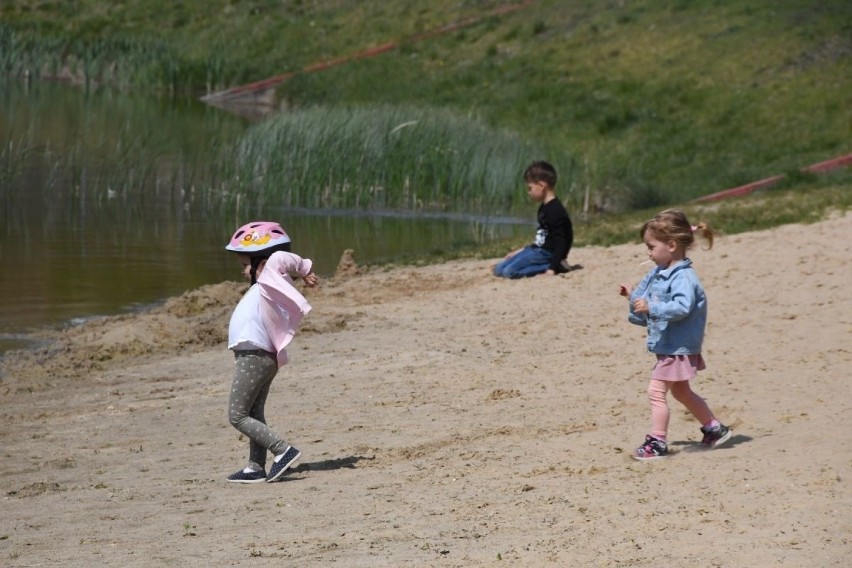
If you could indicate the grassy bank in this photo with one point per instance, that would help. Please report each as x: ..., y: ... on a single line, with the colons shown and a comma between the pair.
x: 658, y: 102
x: 804, y: 203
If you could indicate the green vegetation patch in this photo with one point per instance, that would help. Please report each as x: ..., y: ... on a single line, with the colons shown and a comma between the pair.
x: 396, y: 158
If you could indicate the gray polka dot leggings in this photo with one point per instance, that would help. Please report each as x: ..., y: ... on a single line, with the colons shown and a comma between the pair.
x: 252, y: 378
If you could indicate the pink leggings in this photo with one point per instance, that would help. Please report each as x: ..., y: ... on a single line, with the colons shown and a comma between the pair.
x: 683, y: 394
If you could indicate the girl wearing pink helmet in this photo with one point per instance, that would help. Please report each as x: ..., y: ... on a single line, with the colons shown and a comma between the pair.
x: 263, y: 323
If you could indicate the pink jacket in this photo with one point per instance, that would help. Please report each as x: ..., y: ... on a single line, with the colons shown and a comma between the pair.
x: 283, y: 306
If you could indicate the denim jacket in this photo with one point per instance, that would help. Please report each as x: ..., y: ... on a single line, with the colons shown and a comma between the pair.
x: 677, y: 309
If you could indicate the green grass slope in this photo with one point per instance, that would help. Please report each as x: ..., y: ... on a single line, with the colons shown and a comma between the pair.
x: 652, y: 102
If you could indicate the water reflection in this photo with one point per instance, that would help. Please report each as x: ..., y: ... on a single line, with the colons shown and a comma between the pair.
x: 97, y: 214
x: 60, y: 274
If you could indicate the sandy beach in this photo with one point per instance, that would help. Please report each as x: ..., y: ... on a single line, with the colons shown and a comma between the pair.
x: 448, y: 418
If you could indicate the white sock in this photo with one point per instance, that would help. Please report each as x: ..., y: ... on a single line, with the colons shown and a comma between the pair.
x: 281, y: 455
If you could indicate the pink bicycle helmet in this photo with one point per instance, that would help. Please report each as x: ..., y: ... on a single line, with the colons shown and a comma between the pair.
x: 259, y: 238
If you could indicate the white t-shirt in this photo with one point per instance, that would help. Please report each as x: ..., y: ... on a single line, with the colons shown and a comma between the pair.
x: 246, y: 329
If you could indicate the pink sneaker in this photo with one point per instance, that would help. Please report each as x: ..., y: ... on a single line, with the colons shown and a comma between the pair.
x: 652, y: 449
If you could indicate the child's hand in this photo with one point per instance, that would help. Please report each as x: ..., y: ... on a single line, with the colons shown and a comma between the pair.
x: 310, y: 279
x: 625, y: 290
x: 640, y: 306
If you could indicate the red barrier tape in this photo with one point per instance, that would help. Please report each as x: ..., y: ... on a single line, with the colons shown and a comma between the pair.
x: 825, y: 166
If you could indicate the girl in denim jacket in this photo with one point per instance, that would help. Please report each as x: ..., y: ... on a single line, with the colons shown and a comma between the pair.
x: 671, y: 303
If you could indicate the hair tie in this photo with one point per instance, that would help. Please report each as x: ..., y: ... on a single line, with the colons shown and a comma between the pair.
x: 694, y: 228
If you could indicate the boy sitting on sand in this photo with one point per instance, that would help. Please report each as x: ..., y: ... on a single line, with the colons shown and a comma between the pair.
x: 554, y: 236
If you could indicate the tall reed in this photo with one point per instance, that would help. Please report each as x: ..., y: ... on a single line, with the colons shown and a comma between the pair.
x: 124, y: 157
x: 148, y: 63
x: 385, y: 157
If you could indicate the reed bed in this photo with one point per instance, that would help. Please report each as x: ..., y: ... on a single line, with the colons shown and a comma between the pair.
x: 118, y: 160
x: 387, y: 157
x: 151, y: 64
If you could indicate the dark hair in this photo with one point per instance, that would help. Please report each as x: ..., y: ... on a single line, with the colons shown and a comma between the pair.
x: 672, y: 225
x: 541, y: 171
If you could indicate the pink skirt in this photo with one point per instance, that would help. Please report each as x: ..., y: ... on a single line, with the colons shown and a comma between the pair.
x: 677, y: 367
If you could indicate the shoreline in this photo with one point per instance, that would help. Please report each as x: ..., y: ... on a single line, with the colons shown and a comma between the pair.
x: 449, y: 418
x: 41, y: 336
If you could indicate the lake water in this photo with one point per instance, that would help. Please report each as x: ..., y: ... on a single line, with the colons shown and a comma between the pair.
x: 97, y: 215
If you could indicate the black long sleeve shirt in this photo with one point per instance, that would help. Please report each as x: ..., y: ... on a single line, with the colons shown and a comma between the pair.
x: 555, y: 232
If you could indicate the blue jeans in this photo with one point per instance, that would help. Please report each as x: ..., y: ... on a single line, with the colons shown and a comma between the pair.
x: 529, y: 261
